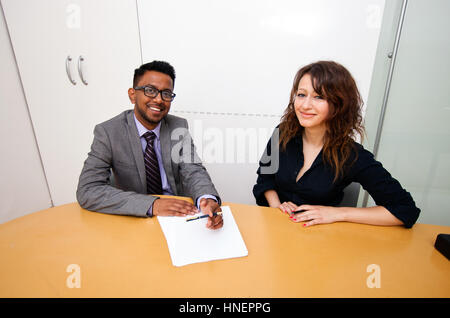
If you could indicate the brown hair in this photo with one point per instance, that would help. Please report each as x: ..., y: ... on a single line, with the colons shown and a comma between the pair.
x: 335, y: 83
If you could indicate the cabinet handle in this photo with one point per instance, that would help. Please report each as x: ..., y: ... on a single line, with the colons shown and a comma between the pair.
x: 80, y: 71
x: 68, y: 60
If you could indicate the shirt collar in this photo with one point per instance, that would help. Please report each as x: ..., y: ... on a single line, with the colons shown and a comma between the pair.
x: 142, y: 130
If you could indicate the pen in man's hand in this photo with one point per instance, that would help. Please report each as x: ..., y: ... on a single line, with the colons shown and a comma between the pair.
x: 202, y: 216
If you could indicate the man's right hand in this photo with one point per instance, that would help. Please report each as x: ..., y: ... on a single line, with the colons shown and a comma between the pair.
x: 173, y: 207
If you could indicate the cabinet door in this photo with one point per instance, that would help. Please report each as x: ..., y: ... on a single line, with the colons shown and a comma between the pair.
x: 44, y: 33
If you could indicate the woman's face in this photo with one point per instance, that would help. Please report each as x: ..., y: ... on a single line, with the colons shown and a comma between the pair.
x: 311, y: 108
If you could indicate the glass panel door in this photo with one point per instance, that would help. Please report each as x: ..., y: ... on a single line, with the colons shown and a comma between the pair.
x: 415, y: 139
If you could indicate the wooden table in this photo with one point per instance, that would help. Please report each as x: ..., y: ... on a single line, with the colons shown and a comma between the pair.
x: 122, y: 256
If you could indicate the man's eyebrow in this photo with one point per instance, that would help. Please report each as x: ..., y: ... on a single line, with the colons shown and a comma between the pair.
x: 153, y: 86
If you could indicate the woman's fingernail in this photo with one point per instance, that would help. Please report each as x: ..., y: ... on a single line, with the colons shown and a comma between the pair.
x: 304, y: 224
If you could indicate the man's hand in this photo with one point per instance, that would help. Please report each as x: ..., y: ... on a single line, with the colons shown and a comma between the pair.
x: 209, y: 206
x: 174, y: 207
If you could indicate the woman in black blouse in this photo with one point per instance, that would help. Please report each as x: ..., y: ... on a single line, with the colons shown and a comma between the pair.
x: 315, y: 156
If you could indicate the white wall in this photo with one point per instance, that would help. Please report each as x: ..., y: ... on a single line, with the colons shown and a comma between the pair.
x: 243, y: 55
x: 23, y: 188
x: 230, y: 147
x: 236, y: 60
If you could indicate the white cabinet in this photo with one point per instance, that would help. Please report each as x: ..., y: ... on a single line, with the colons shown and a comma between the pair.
x: 43, y: 34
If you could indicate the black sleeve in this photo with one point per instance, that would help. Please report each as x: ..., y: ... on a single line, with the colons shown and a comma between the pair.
x: 383, y: 188
x: 266, y: 177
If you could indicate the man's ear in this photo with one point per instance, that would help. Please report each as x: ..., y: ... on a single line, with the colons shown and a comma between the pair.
x: 132, y: 95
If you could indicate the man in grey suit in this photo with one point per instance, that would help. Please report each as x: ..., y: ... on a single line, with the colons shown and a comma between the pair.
x: 117, y: 177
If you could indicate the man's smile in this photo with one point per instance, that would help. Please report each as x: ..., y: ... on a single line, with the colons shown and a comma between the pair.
x: 155, y: 108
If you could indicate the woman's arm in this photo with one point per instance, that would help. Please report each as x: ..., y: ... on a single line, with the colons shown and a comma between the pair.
x: 385, y: 191
x: 376, y: 215
x: 272, y: 198
x: 274, y: 202
x: 317, y: 214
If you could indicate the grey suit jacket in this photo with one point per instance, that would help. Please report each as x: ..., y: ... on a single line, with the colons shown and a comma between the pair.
x: 117, y: 149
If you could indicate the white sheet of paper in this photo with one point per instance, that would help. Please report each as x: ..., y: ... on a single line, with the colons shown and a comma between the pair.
x: 191, y: 242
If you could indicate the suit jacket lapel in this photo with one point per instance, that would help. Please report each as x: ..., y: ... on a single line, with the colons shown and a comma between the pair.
x: 136, y: 149
x: 165, y: 141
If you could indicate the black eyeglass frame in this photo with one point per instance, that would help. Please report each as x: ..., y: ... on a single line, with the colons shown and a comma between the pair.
x: 172, y: 94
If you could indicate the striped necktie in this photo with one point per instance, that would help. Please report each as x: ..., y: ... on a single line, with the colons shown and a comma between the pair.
x: 151, y: 165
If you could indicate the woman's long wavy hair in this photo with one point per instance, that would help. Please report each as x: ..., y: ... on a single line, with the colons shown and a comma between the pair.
x: 335, y: 83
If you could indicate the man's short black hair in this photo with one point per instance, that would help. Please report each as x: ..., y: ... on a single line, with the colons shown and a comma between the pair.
x: 158, y: 66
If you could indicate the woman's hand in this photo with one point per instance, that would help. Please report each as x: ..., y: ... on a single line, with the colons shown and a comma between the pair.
x: 287, y: 207
x: 316, y: 214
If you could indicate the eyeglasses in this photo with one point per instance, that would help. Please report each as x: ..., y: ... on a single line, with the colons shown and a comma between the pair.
x: 150, y: 91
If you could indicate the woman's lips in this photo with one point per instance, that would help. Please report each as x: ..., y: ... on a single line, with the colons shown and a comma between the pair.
x: 307, y: 115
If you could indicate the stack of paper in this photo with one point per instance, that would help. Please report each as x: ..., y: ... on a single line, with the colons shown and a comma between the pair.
x: 192, y: 242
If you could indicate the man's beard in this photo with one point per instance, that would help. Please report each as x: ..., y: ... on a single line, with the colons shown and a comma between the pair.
x: 148, y: 119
